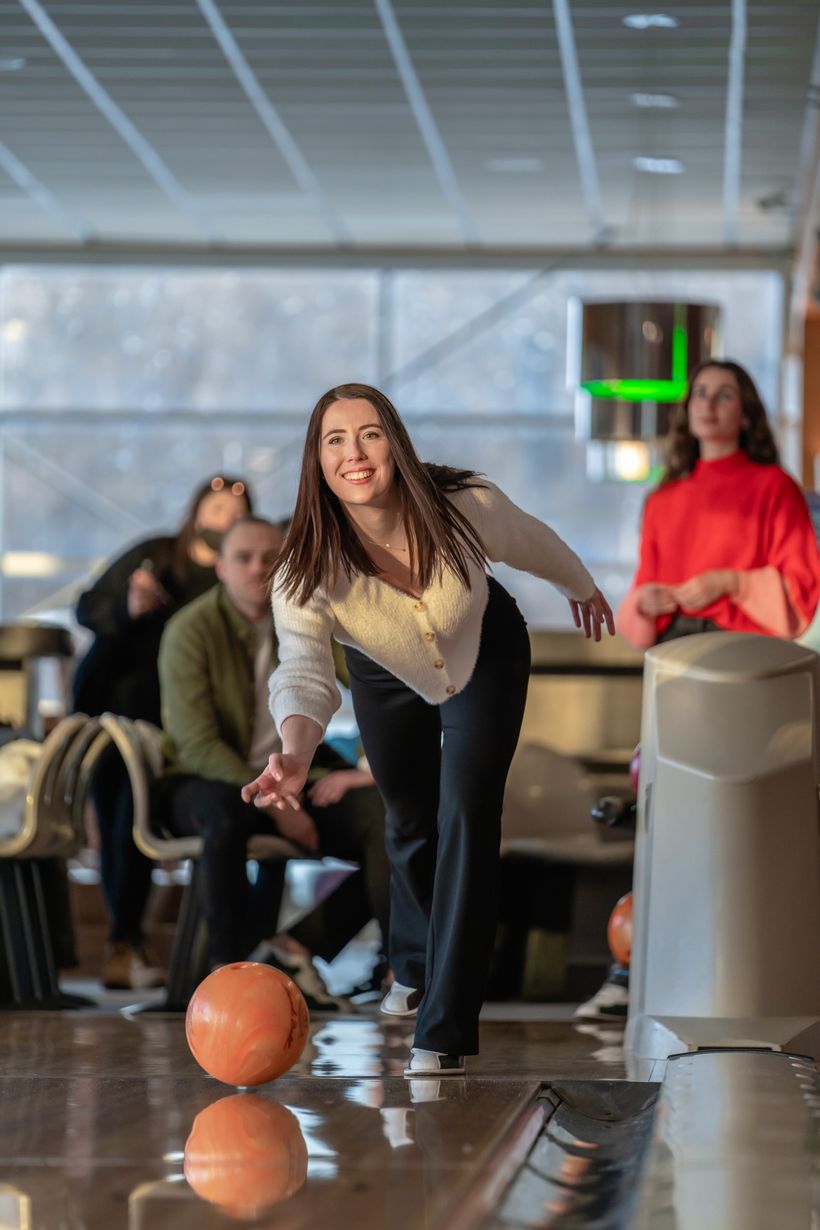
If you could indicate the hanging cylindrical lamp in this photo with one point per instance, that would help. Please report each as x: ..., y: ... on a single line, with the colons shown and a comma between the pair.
x: 634, y: 361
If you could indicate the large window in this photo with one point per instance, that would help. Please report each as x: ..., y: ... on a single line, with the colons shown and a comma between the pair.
x: 121, y: 388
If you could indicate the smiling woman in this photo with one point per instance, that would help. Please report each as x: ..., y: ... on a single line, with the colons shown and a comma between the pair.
x: 389, y: 555
x: 363, y: 483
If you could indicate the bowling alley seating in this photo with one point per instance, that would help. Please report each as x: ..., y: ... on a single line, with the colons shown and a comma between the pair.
x: 52, y: 827
x: 138, y: 744
x: 547, y: 819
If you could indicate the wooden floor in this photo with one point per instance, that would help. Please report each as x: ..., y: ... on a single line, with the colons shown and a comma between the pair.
x: 97, y: 1109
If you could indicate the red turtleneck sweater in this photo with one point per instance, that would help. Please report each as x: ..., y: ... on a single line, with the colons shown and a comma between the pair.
x: 730, y: 513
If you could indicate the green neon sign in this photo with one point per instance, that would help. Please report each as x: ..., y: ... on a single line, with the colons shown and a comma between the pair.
x: 649, y: 390
x: 636, y: 390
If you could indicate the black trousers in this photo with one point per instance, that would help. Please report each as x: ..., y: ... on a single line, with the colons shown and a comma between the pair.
x: 441, y: 770
x: 125, y: 872
x: 239, y: 915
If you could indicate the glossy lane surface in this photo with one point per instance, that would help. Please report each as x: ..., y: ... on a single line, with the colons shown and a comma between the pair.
x: 98, y: 1110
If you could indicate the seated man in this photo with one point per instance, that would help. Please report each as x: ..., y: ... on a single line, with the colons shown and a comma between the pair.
x: 215, y: 659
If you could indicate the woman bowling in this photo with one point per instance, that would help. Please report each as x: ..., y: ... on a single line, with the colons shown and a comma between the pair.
x: 726, y: 541
x: 389, y: 555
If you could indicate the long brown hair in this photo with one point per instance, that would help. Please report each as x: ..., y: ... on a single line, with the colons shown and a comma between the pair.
x: 321, y: 540
x: 756, y: 440
x: 187, y: 531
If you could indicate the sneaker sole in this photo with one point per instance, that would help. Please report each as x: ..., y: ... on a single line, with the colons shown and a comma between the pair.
x: 441, y: 1074
x: 600, y: 1017
x: 402, y: 1015
x: 411, y: 1075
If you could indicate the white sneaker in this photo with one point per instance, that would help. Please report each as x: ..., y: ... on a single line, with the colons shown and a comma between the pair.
x: 397, y: 1125
x: 433, y: 1063
x: 609, y: 1003
x: 401, y: 1001
x: 422, y: 1089
x: 312, y: 985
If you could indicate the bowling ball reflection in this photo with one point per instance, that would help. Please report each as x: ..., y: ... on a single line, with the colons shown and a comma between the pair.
x: 244, y: 1154
x: 247, y: 1023
x: 619, y: 930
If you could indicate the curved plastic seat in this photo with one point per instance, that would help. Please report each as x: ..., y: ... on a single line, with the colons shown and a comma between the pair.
x: 547, y: 822
x: 547, y: 806
x: 49, y: 825
x: 139, y: 744
x: 52, y: 827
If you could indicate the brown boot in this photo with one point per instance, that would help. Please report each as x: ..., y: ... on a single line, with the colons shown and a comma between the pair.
x: 130, y: 969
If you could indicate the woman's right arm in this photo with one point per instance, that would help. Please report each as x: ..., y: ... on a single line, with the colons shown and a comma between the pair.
x: 303, y: 697
x: 304, y: 682
x: 104, y: 607
x: 283, y: 780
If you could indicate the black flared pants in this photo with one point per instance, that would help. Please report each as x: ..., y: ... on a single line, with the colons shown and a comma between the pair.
x: 441, y: 770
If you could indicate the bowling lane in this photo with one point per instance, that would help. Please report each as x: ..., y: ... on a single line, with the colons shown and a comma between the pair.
x: 98, y: 1110
x: 81, y: 1044
x: 340, y: 1152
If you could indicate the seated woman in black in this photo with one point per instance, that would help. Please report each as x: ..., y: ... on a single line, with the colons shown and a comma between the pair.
x: 127, y: 609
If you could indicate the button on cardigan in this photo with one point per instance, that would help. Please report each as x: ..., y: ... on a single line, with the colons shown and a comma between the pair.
x: 430, y: 643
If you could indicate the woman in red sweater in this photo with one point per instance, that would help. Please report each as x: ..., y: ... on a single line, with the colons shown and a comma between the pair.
x: 727, y: 541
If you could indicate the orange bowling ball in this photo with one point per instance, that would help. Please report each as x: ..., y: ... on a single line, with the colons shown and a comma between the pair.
x: 619, y: 930
x: 244, y: 1154
x: 246, y: 1023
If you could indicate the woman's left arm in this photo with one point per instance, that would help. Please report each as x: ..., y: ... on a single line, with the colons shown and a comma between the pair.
x: 782, y: 595
x: 511, y: 536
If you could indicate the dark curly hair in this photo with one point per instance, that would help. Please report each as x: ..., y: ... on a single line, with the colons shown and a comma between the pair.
x: 756, y: 439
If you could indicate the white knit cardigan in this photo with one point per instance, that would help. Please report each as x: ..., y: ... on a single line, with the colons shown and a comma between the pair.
x: 430, y: 643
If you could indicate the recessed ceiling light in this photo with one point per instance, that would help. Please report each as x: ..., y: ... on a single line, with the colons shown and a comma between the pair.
x: 663, y: 102
x: 514, y: 166
x: 12, y: 64
x: 659, y: 166
x: 644, y: 21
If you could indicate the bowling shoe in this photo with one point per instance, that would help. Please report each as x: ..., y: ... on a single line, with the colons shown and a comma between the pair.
x: 609, y: 1003
x: 401, y: 1001
x: 433, y: 1063
x: 422, y: 1089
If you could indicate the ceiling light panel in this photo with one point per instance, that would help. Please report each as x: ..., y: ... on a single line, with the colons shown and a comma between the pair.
x: 650, y: 21
x: 657, y: 102
x: 491, y: 73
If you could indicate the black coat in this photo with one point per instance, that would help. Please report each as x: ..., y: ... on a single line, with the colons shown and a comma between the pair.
x: 119, y: 672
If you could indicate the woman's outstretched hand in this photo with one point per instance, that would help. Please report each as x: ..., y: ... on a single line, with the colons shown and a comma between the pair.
x: 592, y: 615
x: 280, y: 784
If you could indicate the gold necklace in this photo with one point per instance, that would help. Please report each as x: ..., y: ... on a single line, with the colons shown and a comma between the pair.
x: 385, y: 545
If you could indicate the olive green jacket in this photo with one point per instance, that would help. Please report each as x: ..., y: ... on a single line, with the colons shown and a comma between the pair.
x: 206, y: 675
